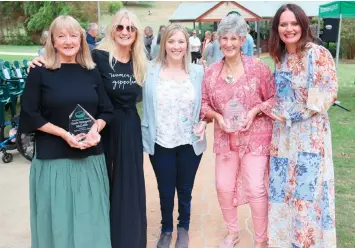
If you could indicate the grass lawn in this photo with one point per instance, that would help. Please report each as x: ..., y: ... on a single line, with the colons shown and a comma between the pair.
x: 24, y: 49
x: 14, y: 57
x: 343, y: 136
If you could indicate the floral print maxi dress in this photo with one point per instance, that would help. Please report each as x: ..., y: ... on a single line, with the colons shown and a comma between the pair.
x: 301, y: 197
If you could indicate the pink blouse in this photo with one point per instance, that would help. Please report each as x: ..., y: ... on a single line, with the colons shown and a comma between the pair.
x: 254, y: 88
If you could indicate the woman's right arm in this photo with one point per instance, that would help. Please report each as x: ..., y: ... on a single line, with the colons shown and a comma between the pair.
x: 30, y: 116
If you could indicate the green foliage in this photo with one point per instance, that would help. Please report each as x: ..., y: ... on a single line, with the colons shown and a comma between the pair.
x: 333, y: 49
x: 31, y: 17
x: 18, y: 38
x: 145, y: 4
x: 113, y: 7
x: 11, y: 8
x: 348, y: 38
x: 41, y: 14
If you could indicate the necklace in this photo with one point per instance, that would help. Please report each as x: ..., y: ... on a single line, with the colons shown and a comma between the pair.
x: 230, y: 78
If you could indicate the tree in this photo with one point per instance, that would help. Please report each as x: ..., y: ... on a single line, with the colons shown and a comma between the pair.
x: 113, y: 7
x: 41, y: 14
x: 32, y: 17
x: 348, y: 37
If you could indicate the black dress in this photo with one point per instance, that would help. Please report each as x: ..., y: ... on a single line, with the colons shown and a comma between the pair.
x: 122, y: 140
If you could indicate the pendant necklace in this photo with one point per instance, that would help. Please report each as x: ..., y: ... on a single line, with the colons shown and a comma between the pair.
x: 229, y: 79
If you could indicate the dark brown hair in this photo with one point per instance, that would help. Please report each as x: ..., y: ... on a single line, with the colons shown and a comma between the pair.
x: 276, y: 45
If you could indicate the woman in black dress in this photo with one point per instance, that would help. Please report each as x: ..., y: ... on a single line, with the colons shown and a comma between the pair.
x: 121, y: 61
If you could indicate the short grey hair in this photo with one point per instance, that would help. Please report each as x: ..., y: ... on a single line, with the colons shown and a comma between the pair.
x: 92, y: 26
x: 149, y: 28
x: 232, y: 23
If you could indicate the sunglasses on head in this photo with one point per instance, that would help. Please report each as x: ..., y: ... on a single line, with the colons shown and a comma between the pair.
x: 131, y: 29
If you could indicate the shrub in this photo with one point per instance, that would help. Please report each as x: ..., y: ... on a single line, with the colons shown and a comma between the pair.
x: 113, y: 7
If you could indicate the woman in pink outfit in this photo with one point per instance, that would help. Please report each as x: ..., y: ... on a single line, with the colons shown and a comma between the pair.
x: 241, y: 157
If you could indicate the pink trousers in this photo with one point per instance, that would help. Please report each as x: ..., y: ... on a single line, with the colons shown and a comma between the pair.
x: 252, y: 169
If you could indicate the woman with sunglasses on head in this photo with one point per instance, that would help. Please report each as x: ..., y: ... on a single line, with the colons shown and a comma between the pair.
x: 237, y: 93
x: 121, y: 60
x: 301, y: 201
x: 171, y: 107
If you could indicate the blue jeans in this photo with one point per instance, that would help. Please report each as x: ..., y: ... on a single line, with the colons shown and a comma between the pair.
x: 175, y: 168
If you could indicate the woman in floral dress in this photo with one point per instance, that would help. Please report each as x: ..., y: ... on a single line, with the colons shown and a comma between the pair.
x: 301, y: 197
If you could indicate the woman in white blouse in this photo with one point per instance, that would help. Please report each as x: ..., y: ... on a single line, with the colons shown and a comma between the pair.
x: 172, y: 134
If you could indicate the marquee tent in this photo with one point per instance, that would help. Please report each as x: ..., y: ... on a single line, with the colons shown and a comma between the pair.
x: 339, y: 10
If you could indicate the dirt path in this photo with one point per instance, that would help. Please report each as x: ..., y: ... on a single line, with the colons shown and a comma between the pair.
x: 207, y: 227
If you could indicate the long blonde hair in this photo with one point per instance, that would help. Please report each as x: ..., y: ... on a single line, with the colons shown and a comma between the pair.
x: 137, y: 50
x: 168, y: 32
x: 83, y: 57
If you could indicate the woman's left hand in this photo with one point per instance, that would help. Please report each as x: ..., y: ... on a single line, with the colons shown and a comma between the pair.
x: 250, y: 118
x: 92, y: 138
x: 199, y: 129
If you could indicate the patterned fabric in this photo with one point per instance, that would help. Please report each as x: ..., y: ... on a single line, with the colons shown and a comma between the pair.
x: 175, y: 105
x: 254, y: 88
x: 301, y: 197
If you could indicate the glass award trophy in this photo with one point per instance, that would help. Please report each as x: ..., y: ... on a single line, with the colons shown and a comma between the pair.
x: 234, y: 115
x: 80, y: 121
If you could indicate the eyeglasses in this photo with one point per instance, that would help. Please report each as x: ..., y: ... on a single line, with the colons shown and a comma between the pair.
x: 131, y: 29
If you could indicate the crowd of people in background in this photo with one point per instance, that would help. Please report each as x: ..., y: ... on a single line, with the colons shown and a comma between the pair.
x: 201, y: 52
x: 88, y: 190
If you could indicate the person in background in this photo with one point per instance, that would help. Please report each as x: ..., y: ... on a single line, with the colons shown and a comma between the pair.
x: 148, y: 38
x: 154, y: 41
x: 216, y: 52
x: 242, y: 158
x: 69, y: 188
x: 156, y: 49
x: 317, y: 40
x: 195, y: 45
x: 170, y: 125
x: 248, y: 46
x: 91, y: 35
x: 206, y: 41
x: 301, y: 201
x: 207, y: 54
x: 43, y: 40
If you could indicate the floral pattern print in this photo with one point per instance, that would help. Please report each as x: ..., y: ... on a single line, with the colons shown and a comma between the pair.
x: 255, y: 88
x: 175, y: 105
x: 301, y: 196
